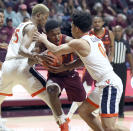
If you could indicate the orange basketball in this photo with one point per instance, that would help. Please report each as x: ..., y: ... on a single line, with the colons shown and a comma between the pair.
x: 57, y: 60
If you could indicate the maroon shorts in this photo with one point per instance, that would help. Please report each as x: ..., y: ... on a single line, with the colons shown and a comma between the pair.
x: 73, y: 86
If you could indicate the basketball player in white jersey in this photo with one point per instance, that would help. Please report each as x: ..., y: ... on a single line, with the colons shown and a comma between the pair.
x: 16, y: 69
x: 91, y: 51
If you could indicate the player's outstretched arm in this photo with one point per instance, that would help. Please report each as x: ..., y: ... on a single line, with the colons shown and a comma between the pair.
x: 58, y: 50
x: 80, y: 46
x: 67, y: 66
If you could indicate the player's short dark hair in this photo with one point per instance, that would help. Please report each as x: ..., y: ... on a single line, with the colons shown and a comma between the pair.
x: 51, y: 24
x: 82, y: 20
x: 1, y: 10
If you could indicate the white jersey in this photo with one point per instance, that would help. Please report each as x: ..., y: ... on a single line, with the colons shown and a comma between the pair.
x: 16, y: 41
x: 96, y: 62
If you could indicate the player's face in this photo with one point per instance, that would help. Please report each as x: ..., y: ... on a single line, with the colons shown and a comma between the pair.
x: 42, y: 19
x: 118, y: 33
x: 97, y: 23
x: 1, y: 18
x: 54, y: 35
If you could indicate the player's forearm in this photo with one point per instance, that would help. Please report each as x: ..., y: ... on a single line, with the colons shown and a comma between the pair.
x: 24, y: 52
x: 75, y: 64
x: 111, y: 54
x: 50, y: 46
x: 112, y: 51
x: 111, y: 45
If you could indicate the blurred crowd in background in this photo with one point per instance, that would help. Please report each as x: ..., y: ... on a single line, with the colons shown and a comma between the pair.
x: 114, y: 12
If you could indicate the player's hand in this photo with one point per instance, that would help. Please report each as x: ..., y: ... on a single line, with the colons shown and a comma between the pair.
x: 39, y: 37
x: 31, y: 62
x: 44, y: 57
x: 36, y: 50
x: 34, y: 58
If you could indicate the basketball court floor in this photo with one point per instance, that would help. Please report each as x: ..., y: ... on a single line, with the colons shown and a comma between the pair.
x: 47, y: 123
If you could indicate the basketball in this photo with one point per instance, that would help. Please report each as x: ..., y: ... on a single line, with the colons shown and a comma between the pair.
x: 57, y: 60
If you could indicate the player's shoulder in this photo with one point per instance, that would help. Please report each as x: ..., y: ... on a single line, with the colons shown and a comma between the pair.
x: 67, y: 38
x: 77, y: 43
x: 29, y: 28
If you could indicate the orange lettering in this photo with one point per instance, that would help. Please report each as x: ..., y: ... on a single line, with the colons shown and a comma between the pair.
x: 102, y: 50
x: 16, y: 35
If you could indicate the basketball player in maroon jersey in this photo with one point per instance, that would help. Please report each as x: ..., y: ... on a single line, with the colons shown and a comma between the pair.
x: 68, y: 79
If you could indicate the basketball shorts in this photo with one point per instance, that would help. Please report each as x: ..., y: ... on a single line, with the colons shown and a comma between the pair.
x: 17, y: 71
x: 107, y: 96
x: 72, y: 84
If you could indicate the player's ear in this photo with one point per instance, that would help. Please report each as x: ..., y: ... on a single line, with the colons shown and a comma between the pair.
x: 77, y: 29
x: 38, y: 15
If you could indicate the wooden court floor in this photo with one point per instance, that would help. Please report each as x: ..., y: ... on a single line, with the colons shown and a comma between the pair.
x: 47, y: 123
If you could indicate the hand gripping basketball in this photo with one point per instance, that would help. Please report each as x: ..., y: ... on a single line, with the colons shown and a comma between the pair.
x: 56, y: 61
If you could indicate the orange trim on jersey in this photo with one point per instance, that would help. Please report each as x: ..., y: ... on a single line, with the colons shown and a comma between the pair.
x: 38, y: 92
x: 101, y: 35
x: 68, y: 120
x: 61, y: 36
x: 92, y: 103
x: 109, y: 115
x: 106, y: 42
x: 5, y: 94
x: 72, y: 57
x: 102, y: 49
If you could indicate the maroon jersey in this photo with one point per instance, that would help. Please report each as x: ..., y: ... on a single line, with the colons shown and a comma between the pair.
x: 69, y: 80
x: 65, y: 59
x: 105, y: 38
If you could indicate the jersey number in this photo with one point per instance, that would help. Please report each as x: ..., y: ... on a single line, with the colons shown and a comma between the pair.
x: 102, y: 50
x: 16, y: 35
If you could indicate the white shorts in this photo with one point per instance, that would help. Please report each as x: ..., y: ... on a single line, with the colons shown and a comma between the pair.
x: 107, y: 96
x: 17, y: 71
